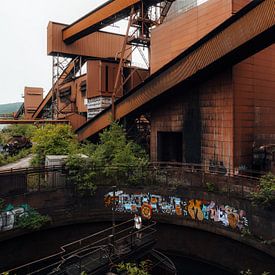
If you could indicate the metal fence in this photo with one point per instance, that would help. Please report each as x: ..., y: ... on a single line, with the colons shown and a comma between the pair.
x: 26, y: 180
x: 168, y: 175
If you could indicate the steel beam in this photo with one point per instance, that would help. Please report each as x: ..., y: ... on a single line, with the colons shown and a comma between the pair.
x: 33, y: 121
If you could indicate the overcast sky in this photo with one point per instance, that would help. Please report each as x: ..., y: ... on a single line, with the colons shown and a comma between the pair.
x: 23, y: 32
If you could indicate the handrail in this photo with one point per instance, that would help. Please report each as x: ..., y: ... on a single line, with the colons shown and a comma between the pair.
x: 63, y: 253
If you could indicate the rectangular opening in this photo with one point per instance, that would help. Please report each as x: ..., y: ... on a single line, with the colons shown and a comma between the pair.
x: 169, y: 146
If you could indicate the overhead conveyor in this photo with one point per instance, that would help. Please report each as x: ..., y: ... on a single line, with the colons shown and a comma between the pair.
x: 244, y: 34
x: 104, y: 15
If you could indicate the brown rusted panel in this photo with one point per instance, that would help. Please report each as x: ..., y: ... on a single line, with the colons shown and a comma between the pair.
x: 254, y: 100
x: 32, y: 99
x: 176, y: 35
x: 215, y: 47
x: 239, y: 4
x: 101, y: 78
x: 81, y: 93
x: 76, y: 120
x: 99, y: 44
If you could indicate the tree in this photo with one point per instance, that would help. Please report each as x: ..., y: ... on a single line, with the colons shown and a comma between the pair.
x: 53, y: 140
x: 19, y: 130
x: 81, y: 173
x: 120, y: 159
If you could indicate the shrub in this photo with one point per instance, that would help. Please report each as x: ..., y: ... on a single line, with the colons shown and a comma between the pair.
x: 81, y: 173
x: 53, y: 140
x: 211, y: 187
x: 33, y: 220
x: 265, y: 195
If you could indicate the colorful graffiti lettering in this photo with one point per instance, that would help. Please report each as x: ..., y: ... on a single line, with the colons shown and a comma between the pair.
x: 195, y: 209
x: 10, y: 216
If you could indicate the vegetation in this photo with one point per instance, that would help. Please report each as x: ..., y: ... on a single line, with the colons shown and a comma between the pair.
x: 19, y: 130
x: 134, y: 269
x: 15, y: 130
x: 249, y: 272
x: 33, y: 220
x: 10, y: 159
x: 265, y: 195
x: 81, y: 174
x: 114, y: 159
x: 211, y: 187
x: 53, y: 140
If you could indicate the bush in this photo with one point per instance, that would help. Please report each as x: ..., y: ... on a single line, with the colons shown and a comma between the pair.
x: 81, y: 173
x: 265, y: 195
x: 211, y: 187
x: 134, y: 269
x: 33, y: 220
x: 53, y: 140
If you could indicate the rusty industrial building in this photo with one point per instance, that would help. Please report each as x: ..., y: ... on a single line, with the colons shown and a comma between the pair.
x: 205, y: 96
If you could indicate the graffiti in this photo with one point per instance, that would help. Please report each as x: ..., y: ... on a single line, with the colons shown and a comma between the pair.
x: 195, y: 209
x: 10, y: 215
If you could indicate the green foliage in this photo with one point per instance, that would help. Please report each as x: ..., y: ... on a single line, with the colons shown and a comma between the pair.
x: 33, y: 220
x: 122, y: 159
x: 265, y: 195
x: 245, y: 232
x: 211, y: 187
x: 134, y: 269
x: 53, y: 140
x: 10, y: 159
x: 81, y: 173
x: 19, y: 130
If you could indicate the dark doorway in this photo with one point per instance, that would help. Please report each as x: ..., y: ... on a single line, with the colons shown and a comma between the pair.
x: 169, y: 146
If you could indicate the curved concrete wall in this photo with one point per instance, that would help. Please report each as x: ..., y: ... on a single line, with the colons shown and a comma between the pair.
x: 175, y: 231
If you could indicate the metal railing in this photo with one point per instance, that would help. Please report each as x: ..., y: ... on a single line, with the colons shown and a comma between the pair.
x: 162, y: 174
x: 92, y: 252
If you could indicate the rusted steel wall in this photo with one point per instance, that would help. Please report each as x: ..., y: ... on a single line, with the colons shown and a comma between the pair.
x: 76, y: 120
x: 99, y: 44
x: 97, y: 82
x: 32, y: 98
x: 216, y: 103
x: 81, y: 95
x: 179, y: 33
x: 254, y: 104
x: 215, y: 115
x: 240, y: 37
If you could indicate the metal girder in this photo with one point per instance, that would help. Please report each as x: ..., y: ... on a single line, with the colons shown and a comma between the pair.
x: 33, y: 121
x: 247, y: 32
x: 65, y: 76
x: 104, y: 15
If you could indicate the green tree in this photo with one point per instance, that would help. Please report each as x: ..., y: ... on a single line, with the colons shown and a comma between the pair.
x: 53, y: 140
x: 121, y: 159
x: 19, y: 130
x: 82, y: 174
x: 265, y: 195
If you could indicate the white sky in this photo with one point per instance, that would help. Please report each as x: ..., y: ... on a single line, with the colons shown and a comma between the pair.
x: 23, y: 36
x: 23, y: 33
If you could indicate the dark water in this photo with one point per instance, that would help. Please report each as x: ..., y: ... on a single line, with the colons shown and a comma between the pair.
x: 187, y: 266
